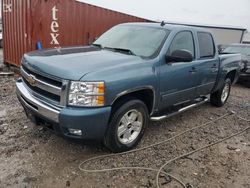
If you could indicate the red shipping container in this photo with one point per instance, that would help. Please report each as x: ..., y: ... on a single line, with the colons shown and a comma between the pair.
x: 55, y: 23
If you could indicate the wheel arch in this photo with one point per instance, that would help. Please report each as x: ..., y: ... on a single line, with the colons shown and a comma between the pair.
x: 232, y: 75
x: 146, y: 94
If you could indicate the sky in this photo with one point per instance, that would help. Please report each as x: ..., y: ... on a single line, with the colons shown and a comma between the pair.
x: 210, y: 12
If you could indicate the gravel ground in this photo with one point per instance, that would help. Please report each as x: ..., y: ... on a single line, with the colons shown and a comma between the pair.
x: 31, y: 156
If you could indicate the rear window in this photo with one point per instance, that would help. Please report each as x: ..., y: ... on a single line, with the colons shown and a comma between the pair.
x: 206, y: 45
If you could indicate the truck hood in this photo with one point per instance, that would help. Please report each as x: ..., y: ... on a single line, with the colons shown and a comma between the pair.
x: 75, y: 62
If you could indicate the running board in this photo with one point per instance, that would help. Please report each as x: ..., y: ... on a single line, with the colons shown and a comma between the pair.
x: 159, y: 118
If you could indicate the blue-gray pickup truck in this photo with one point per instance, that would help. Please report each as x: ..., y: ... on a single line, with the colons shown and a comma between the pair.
x: 133, y: 73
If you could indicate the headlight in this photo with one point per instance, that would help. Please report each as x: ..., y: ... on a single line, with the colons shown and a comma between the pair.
x: 86, y: 94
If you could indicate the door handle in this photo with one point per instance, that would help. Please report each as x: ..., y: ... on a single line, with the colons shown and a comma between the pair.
x: 193, y: 70
x: 214, y: 68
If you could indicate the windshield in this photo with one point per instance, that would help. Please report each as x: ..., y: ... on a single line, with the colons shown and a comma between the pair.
x: 245, y: 50
x: 138, y: 40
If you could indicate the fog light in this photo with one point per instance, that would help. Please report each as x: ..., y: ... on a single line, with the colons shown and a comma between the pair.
x: 77, y: 132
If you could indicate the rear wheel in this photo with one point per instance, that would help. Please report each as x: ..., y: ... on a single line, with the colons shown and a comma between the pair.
x: 127, y: 126
x: 219, y: 98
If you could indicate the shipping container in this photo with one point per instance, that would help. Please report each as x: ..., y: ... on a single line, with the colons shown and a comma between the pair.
x: 53, y: 24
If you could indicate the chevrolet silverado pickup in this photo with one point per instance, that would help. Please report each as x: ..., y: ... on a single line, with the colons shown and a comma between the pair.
x: 133, y: 73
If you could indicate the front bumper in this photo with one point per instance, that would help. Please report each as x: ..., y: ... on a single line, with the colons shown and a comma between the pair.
x: 92, y: 122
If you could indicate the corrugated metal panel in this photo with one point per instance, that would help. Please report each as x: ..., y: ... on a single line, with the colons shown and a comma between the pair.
x: 223, y: 34
x: 14, y: 30
x: 226, y: 36
x: 56, y: 23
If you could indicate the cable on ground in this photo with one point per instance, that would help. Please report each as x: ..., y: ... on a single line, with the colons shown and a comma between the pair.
x: 160, y: 170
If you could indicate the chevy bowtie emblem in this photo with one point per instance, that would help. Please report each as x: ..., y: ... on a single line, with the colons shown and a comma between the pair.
x: 32, y: 80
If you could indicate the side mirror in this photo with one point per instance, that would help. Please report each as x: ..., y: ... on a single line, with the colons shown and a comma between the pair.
x: 179, y: 56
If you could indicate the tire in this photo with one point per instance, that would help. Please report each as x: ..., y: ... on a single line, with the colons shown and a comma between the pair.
x: 219, y: 98
x: 127, y: 126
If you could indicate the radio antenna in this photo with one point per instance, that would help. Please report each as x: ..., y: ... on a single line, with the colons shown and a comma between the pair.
x: 163, y: 23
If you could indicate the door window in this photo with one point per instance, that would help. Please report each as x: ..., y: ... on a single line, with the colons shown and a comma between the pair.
x: 206, y: 45
x: 183, y: 41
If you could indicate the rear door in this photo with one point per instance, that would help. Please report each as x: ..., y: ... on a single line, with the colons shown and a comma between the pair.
x: 208, y: 65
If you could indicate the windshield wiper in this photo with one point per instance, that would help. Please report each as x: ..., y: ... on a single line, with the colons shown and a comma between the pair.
x: 98, y: 45
x: 122, y: 50
x: 226, y: 53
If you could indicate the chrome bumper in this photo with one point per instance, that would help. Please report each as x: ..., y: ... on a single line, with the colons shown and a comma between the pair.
x: 34, y: 104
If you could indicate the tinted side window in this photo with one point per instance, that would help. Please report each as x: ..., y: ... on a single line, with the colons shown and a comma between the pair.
x: 206, y: 45
x: 183, y: 41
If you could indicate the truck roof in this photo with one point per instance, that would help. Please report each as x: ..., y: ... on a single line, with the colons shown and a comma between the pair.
x: 168, y: 26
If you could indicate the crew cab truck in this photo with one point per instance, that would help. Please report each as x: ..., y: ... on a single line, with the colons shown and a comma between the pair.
x: 133, y: 73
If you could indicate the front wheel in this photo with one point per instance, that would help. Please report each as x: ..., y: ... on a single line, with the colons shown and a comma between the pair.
x: 219, y: 98
x: 127, y: 126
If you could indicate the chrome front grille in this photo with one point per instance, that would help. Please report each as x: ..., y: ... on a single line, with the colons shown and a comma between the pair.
x: 45, y: 87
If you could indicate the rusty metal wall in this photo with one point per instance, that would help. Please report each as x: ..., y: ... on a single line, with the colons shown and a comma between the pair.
x: 14, y: 14
x: 55, y: 23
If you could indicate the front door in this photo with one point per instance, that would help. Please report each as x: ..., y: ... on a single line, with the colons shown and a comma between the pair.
x: 178, y: 81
